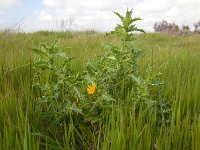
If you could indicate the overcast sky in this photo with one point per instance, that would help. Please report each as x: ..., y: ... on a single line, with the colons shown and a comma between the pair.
x: 33, y: 15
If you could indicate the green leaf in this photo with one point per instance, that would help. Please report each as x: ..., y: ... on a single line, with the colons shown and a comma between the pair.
x: 139, y: 30
x: 120, y: 16
x: 136, y: 79
x: 135, y: 19
x: 108, y: 97
x: 39, y: 52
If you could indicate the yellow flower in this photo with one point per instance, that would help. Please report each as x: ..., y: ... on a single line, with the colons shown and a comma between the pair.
x: 91, y: 89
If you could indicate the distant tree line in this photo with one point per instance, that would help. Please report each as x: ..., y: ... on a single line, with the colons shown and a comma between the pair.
x: 171, y: 28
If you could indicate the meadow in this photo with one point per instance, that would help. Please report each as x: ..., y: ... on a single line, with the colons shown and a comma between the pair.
x: 175, y: 57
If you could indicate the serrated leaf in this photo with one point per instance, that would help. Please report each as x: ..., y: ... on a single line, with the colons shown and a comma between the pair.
x: 39, y: 52
x: 120, y: 16
x: 107, y: 97
x: 136, y: 79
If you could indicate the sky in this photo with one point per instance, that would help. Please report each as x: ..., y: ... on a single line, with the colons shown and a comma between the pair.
x: 34, y: 15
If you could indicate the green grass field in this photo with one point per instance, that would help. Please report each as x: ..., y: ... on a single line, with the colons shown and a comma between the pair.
x: 176, y: 57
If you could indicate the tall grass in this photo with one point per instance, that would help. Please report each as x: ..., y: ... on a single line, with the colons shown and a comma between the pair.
x: 177, y: 57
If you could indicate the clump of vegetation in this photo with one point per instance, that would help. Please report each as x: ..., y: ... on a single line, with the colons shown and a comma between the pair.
x: 56, y: 84
x: 117, y: 74
x: 112, y: 80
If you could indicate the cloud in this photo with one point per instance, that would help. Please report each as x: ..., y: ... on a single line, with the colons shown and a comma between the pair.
x: 39, y: 20
x: 4, y: 4
x: 98, y: 15
x: 86, y: 14
x: 2, y: 13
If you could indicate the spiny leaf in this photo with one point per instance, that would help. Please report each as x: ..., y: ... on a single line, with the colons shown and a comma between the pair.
x: 39, y: 52
x: 140, y: 30
x: 120, y: 16
x: 135, y: 19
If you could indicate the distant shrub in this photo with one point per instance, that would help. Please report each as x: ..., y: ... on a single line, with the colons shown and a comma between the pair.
x: 166, y: 27
x: 197, y: 27
x: 185, y: 28
x: 184, y: 31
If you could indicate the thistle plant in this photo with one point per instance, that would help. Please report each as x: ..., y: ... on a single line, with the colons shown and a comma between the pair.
x: 56, y: 84
x: 111, y: 80
x: 118, y: 75
x: 118, y: 65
